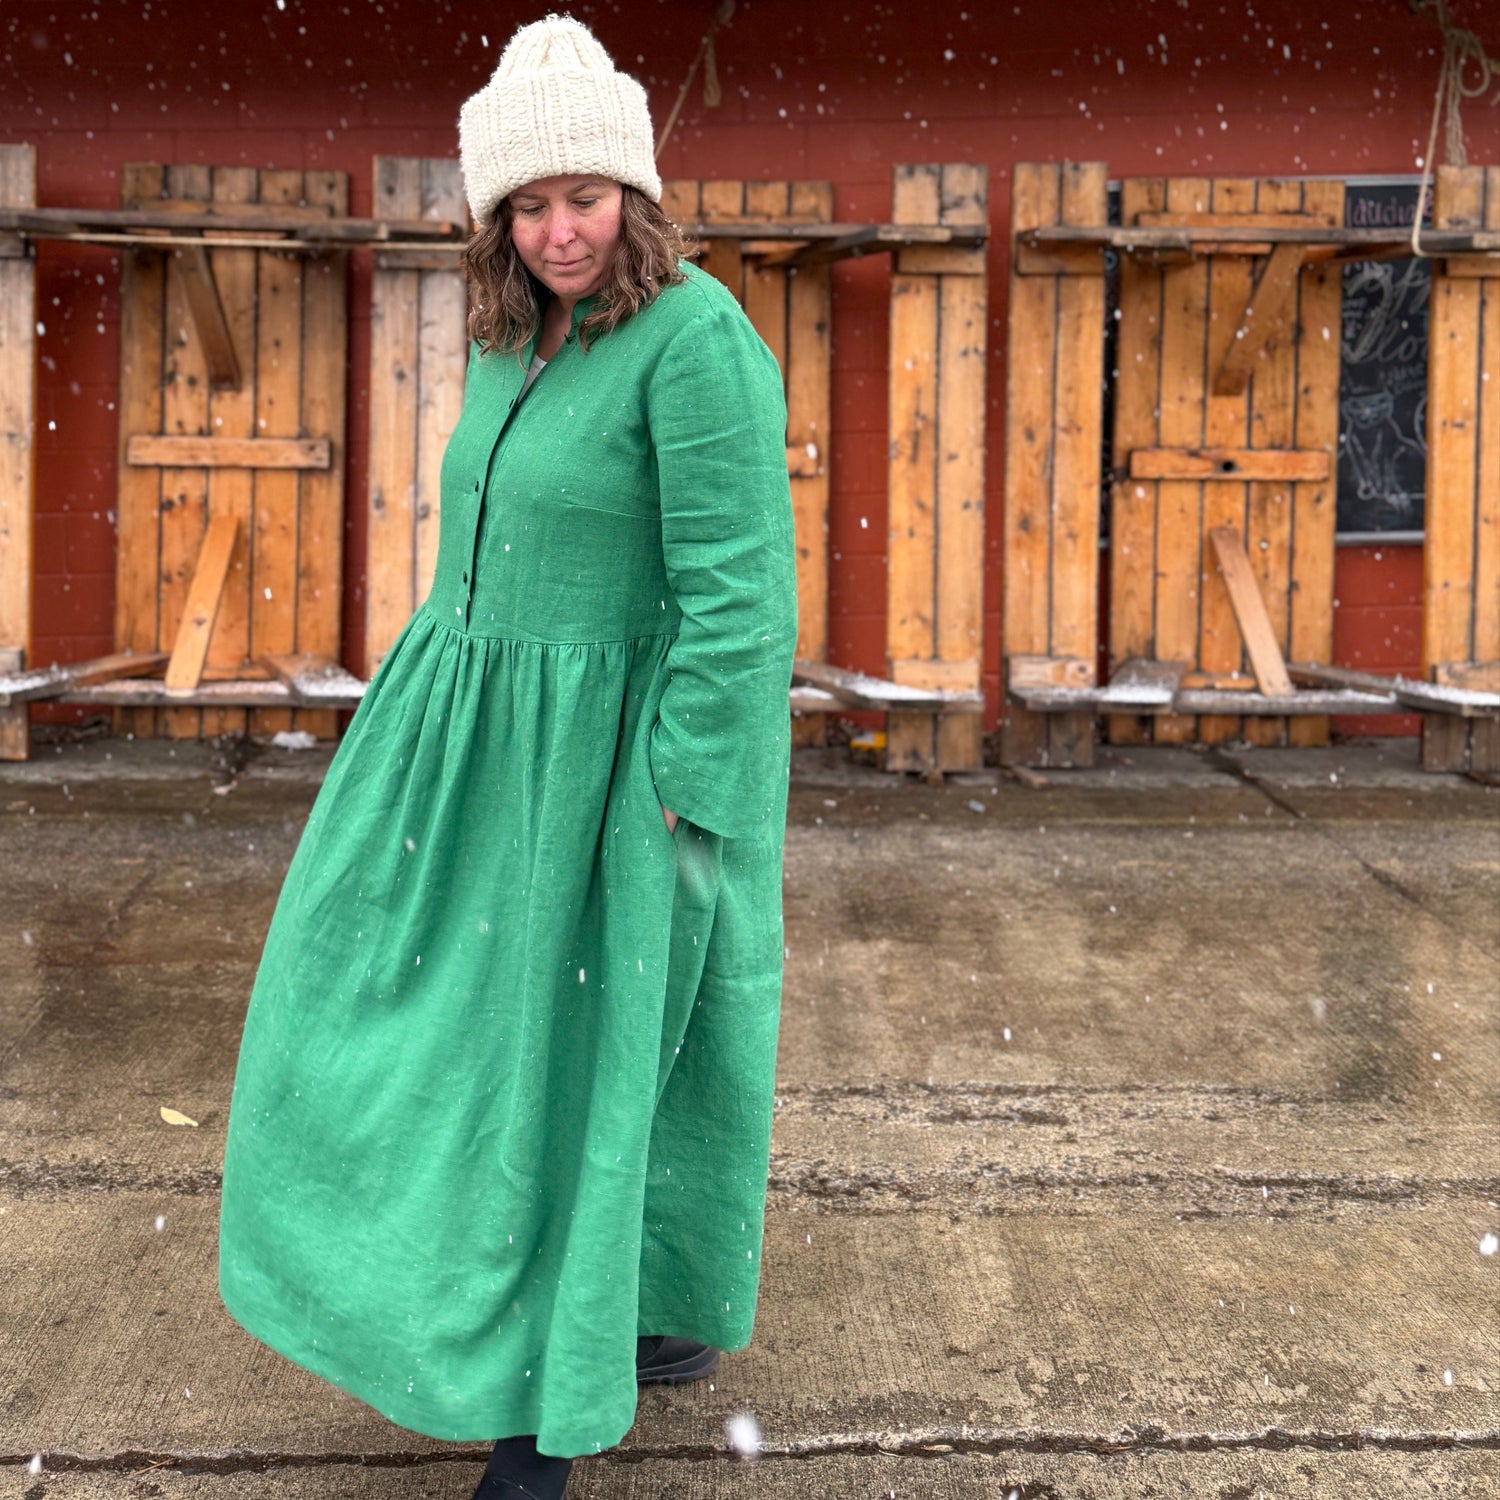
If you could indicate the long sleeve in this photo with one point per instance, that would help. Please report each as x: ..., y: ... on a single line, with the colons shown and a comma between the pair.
x: 719, y: 752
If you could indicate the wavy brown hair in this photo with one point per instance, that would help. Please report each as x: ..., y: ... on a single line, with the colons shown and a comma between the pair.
x: 506, y: 300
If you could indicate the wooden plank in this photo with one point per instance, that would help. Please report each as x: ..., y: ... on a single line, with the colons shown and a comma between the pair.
x: 318, y: 624
x: 141, y: 694
x: 916, y: 197
x: 228, y: 452
x: 1048, y: 671
x: 209, y: 322
x: 1264, y: 319
x: 278, y: 391
x: 722, y: 259
x: 1310, y: 566
x: 395, y: 340
x: 138, y: 491
x: 809, y: 428
x: 1232, y: 465
x: 18, y: 686
x: 1031, y: 351
x: 943, y: 260
x: 1453, y: 462
x: 190, y: 650
x: 184, y: 413
x: 1292, y: 219
x: 859, y: 690
x: 1486, y: 632
x: 1475, y: 676
x: 1284, y: 705
x: 17, y: 442
x: 1132, y: 527
x: 231, y: 416
x: 1250, y: 613
x: 1437, y: 697
x: 1179, y: 522
x: 442, y: 357
x: 679, y: 200
x: 765, y: 288
x: 1273, y: 405
x: 958, y: 603
x: 1226, y: 426
x: 1078, y: 412
x: 315, y: 680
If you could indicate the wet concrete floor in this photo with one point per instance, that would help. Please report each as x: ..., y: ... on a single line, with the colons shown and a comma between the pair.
x: 1135, y: 1136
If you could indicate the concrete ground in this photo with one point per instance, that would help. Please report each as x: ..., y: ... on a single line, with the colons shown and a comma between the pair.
x: 1136, y: 1136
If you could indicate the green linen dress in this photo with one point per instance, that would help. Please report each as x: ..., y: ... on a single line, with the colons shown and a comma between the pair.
x: 503, y: 1099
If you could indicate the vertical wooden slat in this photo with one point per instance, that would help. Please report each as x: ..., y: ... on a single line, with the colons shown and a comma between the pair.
x: 1268, y: 517
x: 278, y: 388
x: 184, y: 412
x: 17, y: 443
x: 809, y: 366
x: 679, y: 200
x: 1179, y: 518
x: 1031, y: 354
x: 1310, y: 563
x: 1226, y: 420
x: 1453, y: 499
x: 1487, y: 509
x: 320, y: 492
x: 765, y: 288
x: 139, y: 490
x: 1073, y: 623
x: 442, y: 356
x: 391, y: 573
x: 721, y: 257
x: 231, y: 413
x: 1137, y: 381
x: 916, y: 198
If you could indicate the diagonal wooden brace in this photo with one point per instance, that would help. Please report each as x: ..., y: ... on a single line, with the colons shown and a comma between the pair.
x: 1272, y: 301
x: 185, y: 669
x: 208, y: 318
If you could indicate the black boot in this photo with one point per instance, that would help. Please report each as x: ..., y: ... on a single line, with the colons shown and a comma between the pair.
x: 662, y: 1360
x: 516, y: 1471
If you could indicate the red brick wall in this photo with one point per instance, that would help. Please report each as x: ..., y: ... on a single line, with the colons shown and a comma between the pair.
x: 839, y: 92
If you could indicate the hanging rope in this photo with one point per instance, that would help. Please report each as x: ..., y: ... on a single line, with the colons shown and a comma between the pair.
x: 704, y: 59
x: 1460, y: 49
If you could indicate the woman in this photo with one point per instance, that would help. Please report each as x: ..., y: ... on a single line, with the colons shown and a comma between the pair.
x: 498, y: 1142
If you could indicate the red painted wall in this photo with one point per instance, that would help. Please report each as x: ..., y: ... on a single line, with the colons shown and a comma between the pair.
x: 834, y: 91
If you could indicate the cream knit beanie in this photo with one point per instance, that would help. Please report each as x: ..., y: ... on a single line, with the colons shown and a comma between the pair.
x: 555, y: 107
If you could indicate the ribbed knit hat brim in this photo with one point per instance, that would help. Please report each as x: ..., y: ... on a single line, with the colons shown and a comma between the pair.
x: 557, y: 106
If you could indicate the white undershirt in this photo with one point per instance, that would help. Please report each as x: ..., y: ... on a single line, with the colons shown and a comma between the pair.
x: 535, y: 368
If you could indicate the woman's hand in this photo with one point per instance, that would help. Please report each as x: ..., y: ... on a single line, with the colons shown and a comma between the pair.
x: 671, y: 819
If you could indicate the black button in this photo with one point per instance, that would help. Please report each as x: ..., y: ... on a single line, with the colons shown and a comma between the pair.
x: 476, y: 486
x: 466, y: 577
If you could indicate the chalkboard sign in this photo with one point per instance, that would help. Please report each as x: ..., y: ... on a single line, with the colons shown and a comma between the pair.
x: 1382, y: 461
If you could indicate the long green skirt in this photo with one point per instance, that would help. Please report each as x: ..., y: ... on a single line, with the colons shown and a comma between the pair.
x: 503, y: 1098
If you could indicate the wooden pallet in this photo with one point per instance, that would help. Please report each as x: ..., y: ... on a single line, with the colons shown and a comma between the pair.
x: 231, y: 406
x: 1461, y: 557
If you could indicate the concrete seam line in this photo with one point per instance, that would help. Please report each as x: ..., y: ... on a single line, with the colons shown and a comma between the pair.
x: 933, y: 1443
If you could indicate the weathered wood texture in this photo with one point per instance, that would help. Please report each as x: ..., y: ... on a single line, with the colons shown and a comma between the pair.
x: 935, y: 525
x: 283, y: 329
x: 1054, y: 418
x: 1461, y: 557
x: 1232, y: 363
x: 791, y: 309
x: 17, y: 442
x: 418, y: 354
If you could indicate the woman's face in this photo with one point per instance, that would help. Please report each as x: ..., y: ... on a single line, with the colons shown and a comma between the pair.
x: 566, y: 231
